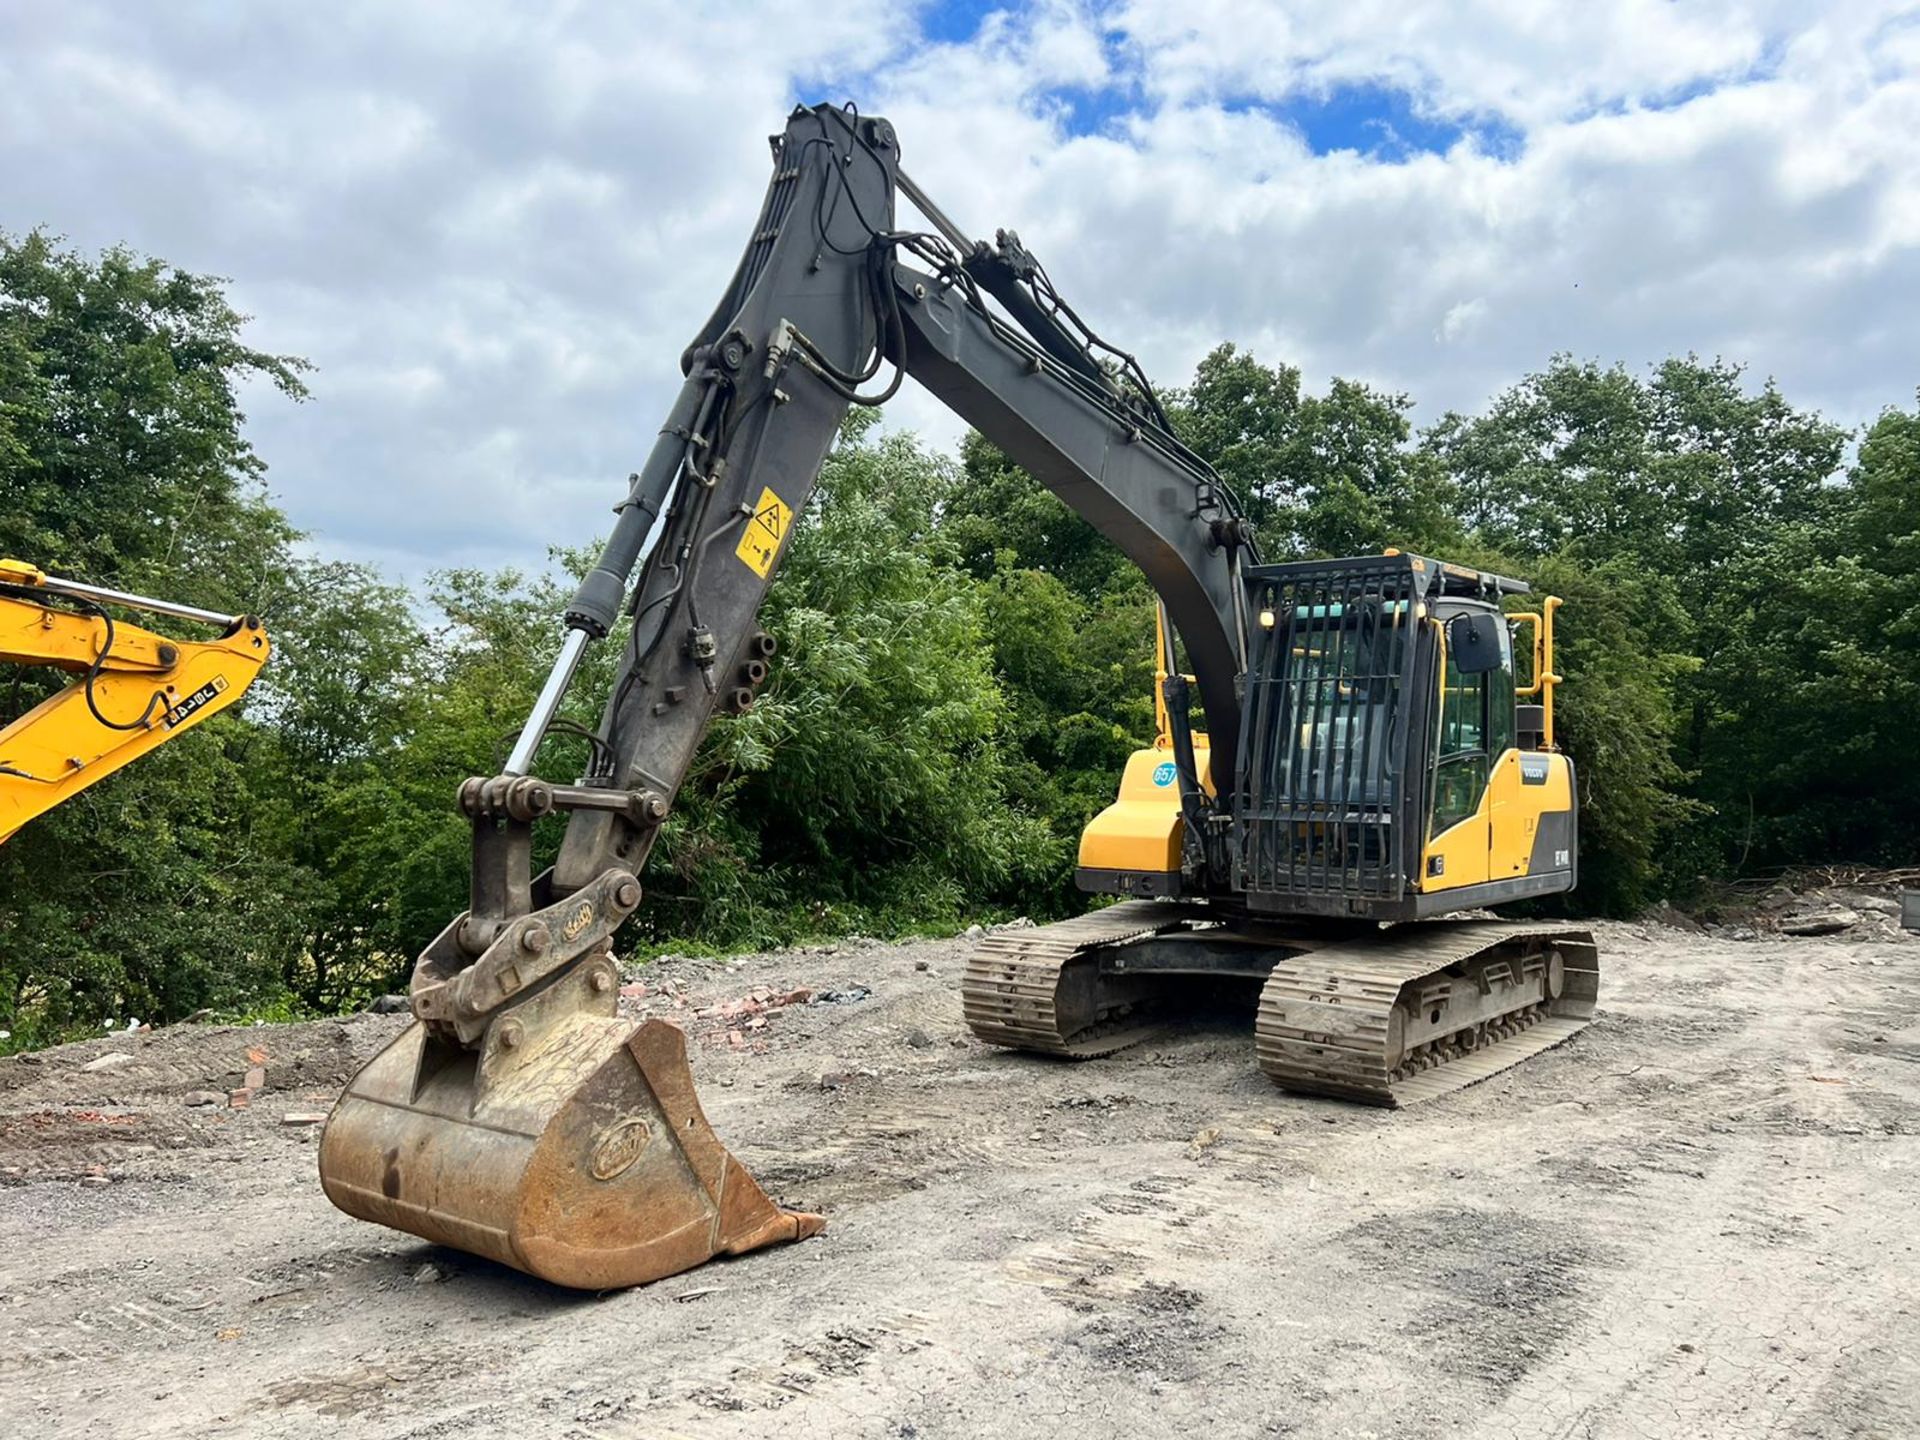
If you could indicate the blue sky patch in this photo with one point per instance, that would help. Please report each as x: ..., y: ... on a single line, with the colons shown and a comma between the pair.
x: 1382, y: 123
x: 955, y: 22
x: 1087, y: 110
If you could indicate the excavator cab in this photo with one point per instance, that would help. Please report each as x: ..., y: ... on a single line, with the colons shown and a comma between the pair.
x: 1388, y: 769
x: 1382, y: 775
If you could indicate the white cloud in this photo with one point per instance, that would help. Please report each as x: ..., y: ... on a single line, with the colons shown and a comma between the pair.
x: 1535, y: 61
x: 494, y: 227
x: 1461, y: 320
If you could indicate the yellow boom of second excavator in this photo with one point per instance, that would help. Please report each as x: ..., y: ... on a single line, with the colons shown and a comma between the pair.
x: 132, y: 690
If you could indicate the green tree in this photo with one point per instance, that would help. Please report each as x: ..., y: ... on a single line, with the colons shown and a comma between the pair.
x: 339, y: 732
x: 1810, y: 702
x: 1078, y: 680
x: 868, y: 783
x: 1685, y: 493
x: 1335, y: 474
x: 122, y: 455
x: 867, y: 789
x: 998, y: 517
x: 1244, y: 419
x: 1615, y: 717
x: 122, y: 461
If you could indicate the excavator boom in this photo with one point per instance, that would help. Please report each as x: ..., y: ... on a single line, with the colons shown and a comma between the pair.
x: 133, y: 690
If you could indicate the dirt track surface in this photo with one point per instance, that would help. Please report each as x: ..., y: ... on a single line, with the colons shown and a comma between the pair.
x: 1697, y: 1218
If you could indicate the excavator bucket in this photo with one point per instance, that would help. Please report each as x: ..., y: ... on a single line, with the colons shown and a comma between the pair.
x: 571, y: 1147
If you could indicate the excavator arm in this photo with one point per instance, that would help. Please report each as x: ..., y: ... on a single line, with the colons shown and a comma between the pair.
x: 519, y: 1116
x: 132, y: 690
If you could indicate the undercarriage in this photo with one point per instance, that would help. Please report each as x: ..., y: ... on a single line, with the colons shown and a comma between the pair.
x: 1388, y: 1016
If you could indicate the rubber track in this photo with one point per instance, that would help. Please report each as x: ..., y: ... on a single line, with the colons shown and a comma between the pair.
x: 1322, y: 1026
x: 1013, y: 977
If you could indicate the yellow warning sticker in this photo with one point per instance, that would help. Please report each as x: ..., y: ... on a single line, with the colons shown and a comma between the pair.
x: 765, y: 530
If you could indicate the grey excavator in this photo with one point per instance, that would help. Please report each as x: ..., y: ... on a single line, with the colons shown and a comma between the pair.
x: 1373, y: 757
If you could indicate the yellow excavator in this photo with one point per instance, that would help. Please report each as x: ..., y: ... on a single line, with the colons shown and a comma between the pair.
x: 133, y: 690
x: 1365, y: 767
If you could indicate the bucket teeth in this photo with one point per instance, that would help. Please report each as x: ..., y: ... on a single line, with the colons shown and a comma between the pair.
x: 579, y: 1154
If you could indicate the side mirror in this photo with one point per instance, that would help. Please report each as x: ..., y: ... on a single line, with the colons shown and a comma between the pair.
x: 1473, y: 643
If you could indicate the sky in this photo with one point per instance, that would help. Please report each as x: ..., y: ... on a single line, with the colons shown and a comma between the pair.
x: 492, y: 227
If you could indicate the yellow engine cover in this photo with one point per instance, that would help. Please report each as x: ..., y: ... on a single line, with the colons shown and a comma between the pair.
x: 1141, y: 831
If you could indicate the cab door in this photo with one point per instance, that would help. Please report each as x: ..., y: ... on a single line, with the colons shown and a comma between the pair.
x: 1459, y: 830
x: 1475, y: 731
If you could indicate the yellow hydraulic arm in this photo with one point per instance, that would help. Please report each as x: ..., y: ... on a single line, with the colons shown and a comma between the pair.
x: 134, y: 690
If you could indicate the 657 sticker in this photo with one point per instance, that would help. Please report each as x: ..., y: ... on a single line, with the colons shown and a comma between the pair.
x: 198, y: 700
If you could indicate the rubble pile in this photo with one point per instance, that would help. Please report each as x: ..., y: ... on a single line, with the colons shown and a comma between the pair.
x: 1850, y: 904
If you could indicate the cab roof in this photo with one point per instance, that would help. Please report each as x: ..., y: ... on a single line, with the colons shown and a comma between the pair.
x: 1424, y: 576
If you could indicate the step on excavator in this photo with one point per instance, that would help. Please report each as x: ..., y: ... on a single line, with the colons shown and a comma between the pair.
x: 132, y: 691
x: 1364, y: 766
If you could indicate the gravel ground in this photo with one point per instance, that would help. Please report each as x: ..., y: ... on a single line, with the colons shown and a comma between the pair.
x: 1696, y: 1219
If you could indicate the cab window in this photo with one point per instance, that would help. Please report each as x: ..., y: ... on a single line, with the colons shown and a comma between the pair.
x: 1501, y: 735
x: 1460, y: 775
